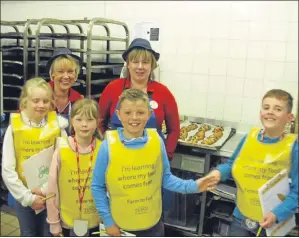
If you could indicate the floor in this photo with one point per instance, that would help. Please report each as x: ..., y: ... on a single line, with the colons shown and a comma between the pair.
x: 9, y: 222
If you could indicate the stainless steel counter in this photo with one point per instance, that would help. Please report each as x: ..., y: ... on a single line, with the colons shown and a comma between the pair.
x: 229, y: 147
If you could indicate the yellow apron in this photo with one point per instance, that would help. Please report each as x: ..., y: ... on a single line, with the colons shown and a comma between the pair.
x: 255, y: 165
x: 134, y: 181
x: 68, y: 185
x: 28, y: 140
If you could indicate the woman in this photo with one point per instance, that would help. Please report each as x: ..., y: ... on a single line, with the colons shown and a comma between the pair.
x: 141, y: 60
x: 64, y: 68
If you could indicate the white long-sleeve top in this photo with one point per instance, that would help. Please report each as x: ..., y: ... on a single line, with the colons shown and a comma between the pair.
x: 9, y: 174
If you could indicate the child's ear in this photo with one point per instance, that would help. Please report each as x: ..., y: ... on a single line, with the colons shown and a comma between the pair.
x: 118, y: 114
x: 290, y: 118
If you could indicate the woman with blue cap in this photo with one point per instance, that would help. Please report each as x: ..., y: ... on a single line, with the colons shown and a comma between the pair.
x: 141, y: 61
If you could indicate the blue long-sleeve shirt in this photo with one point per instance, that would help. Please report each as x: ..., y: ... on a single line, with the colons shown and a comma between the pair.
x: 98, y: 185
x: 289, y: 205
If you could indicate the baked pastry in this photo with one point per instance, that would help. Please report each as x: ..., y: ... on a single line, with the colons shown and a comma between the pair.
x: 192, y: 127
x: 209, y: 141
x: 218, y: 128
x: 200, y: 135
x: 204, y: 128
x: 183, y: 133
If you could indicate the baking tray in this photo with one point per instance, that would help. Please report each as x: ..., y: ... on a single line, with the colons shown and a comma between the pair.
x: 228, y: 132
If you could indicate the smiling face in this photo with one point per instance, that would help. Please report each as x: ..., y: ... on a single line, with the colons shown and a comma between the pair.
x: 84, y: 126
x: 133, y: 116
x: 38, y: 104
x: 64, y: 72
x: 274, y: 115
x: 140, y: 65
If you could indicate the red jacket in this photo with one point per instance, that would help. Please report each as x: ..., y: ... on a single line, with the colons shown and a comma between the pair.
x: 73, y: 96
x: 167, y: 109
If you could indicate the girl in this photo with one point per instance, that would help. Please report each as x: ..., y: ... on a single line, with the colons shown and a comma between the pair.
x: 33, y: 129
x: 73, y: 208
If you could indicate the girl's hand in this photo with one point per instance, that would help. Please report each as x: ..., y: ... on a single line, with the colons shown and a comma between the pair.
x: 206, y: 183
x: 113, y: 231
x: 37, y: 191
x: 38, y: 203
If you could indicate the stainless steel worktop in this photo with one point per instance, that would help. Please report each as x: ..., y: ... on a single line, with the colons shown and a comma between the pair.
x: 229, y: 147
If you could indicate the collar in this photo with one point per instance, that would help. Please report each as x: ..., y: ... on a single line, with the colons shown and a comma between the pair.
x: 28, y: 122
x: 268, y: 139
x: 126, y: 141
x: 150, y: 84
x: 73, y: 95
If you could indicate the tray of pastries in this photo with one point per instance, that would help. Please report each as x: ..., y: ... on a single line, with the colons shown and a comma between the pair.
x: 204, y: 135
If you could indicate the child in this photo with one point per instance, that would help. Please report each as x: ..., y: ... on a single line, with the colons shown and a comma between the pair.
x: 268, y: 149
x: 132, y: 166
x: 33, y: 129
x: 71, y: 168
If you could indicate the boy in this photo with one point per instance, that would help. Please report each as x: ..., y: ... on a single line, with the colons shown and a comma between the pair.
x: 133, y: 163
x: 261, y: 155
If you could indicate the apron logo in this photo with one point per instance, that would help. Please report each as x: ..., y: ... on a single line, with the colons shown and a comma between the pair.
x: 43, y: 171
x: 153, y: 104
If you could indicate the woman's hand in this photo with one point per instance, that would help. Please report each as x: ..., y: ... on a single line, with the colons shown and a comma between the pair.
x: 113, y: 230
x: 38, y: 203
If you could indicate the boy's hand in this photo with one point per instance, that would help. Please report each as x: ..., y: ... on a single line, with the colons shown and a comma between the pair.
x: 113, y: 231
x: 215, y: 173
x: 206, y: 183
x: 268, y: 220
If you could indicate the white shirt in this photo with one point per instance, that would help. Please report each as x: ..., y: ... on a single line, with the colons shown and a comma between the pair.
x: 10, y: 177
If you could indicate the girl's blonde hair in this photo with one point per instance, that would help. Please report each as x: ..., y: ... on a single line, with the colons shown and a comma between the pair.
x: 35, y: 83
x: 89, y: 108
x: 143, y: 54
x: 65, y: 61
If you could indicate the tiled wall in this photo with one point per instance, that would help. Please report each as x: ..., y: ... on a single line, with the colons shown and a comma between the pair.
x: 218, y: 58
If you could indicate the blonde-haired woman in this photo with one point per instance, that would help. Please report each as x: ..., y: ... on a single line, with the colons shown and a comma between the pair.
x: 33, y: 129
x: 72, y: 211
x: 64, y: 68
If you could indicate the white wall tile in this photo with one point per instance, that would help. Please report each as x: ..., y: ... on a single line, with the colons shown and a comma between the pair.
x: 202, y: 46
x: 219, y: 47
x: 217, y: 84
x: 268, y: 85
x: 199, y: 83
x: 239, y: 30
x: 201, y: 65
x: 240, y: 11
x: 258, y: 11
x: 232, y: 108
x: 250, y: 110
x: 218, y: 66
x: 236, y: 68
x: 278, y: 11
x: 186, y: 45
x: 293, y: 11
x: 256, y: 50
x: 254, y: 69
x: 253, y: 88
x: 221, y: 11
x: 202, y: 29
x: 274, y: 71
x: 167, y: 78
x: 258, y: 31
x: 184, y: 64
x: 293, y: 31
x: 168, y: 62
x: 292, y: 52
x: 278, y: 32
x: 220, y: 29
x: 215, y: 106
x: 237, y: 49
x: 276, y: 51
x: 234, y: 86
x: 290, y: 72
x: 198, y: 103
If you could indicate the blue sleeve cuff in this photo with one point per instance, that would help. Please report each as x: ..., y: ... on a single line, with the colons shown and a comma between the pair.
x: 193, y: 187
x: 108, y: 221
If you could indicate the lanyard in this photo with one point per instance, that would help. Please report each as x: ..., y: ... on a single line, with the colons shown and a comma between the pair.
x: 81, y: 194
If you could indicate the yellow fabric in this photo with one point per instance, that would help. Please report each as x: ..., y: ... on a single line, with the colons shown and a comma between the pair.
x: 28, y: 140
x: 255, y: 165
x: 68, y: 185
x: 134, y: 180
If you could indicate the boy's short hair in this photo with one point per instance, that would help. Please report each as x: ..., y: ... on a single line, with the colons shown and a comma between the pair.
x: 280, y: 95
x: 133, y: 95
